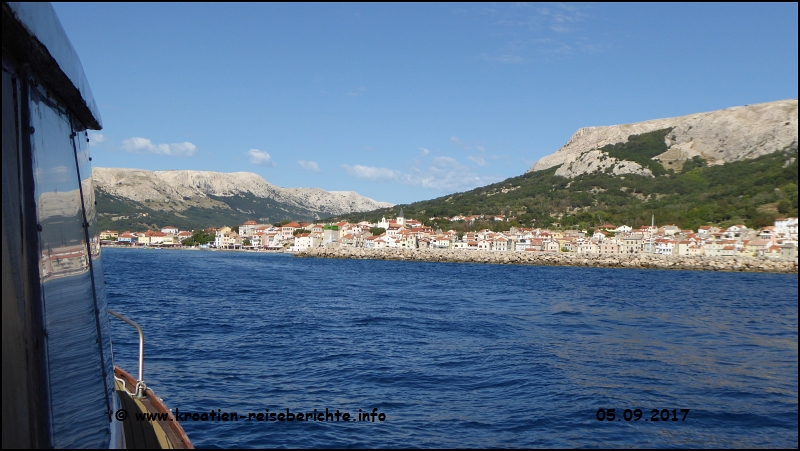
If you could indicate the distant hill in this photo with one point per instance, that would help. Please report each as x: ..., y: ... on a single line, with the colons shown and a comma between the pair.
x: 727, y: 166
x: 718, y: 137
x: 138, y: 199
x: 753, y: 192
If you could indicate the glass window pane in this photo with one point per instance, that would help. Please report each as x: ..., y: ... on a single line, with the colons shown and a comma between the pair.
x: 77, y: 388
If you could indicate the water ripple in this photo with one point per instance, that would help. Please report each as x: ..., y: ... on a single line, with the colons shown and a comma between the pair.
x: 460, y: 355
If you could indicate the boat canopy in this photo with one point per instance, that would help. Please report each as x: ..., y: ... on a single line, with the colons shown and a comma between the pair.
x: 35, y: 36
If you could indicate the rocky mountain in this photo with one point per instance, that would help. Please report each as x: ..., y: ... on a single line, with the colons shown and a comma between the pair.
x: 717, y: 137
x: 732, y: 166
x: 131, y: 195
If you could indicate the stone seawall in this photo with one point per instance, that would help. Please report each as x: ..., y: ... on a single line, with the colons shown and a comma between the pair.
x: 642, y: 261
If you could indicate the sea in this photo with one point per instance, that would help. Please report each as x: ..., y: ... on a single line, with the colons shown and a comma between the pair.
x: 434, y: 355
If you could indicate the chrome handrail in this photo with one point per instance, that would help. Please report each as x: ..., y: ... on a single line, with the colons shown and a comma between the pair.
x: 140, y: 385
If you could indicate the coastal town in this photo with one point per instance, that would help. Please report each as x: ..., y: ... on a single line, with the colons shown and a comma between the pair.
x: 779, y: 241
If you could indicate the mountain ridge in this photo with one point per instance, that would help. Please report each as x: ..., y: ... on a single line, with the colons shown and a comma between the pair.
x: 731, y: 166
x: 717, y: 137
x: 129, y: 195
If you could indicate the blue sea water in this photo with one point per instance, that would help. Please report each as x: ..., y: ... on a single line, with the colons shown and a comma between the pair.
x: 460, y: 355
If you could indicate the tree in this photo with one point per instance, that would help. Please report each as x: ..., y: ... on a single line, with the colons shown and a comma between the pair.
x: 199, y: 237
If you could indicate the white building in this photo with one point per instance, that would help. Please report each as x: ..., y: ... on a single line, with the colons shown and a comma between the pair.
x: 305, y: 241
x: 786, y: 225
x: 623, y: 229
x: 248, y: 228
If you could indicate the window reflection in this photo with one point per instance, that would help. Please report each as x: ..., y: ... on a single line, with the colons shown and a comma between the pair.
x: 78, y: 359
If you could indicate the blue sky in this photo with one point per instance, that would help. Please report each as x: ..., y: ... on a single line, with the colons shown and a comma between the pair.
x: 408, y: 102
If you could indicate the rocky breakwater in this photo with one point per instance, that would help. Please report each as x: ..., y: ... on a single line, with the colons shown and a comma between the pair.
x: 641, y: 261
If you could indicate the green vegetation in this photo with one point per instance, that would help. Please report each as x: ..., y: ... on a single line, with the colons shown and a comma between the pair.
x: 199, y: 237
x: 753, y: 192
x: 641, y: 149
x: 695, y: 162
x: 116, y: 213
x: 377, y: 231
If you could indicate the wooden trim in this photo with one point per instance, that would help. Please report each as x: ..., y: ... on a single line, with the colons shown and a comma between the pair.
x: 172, y: 428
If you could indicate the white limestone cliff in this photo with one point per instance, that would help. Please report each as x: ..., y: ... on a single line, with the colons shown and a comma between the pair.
x: 595, y: 160
x: 181, y: 189
x: 718, y: 137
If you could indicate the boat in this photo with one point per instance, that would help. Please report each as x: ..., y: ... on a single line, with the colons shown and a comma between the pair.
x: 61, y: 388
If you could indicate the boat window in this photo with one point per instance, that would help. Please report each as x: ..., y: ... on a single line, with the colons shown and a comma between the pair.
x: 76, y: 362
x: 80, y: 141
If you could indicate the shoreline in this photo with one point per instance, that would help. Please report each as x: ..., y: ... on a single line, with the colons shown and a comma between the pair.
x: 637, y: 261
x: 176, y: 248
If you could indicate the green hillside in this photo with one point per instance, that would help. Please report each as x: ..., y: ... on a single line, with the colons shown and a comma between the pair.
x: 117, y: 213
x: 753, y: 192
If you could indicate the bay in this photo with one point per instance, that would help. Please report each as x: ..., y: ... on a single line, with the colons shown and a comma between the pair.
x: 459, y: 355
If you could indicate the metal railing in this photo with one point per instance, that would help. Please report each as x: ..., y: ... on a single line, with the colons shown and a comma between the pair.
x: 140, y: 385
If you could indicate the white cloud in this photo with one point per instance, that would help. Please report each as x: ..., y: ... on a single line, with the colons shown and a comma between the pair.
x: 96, y: 138
x: 477, y: 160
x: 309, y: 165
x: 541, y: 33
x: 444, y: 174
x: 371, y: 172
x: 358, y: 92
x: 57, y: 174
x: 145, y: 146
x: 424, y: 151
x: 260, y: 157
x: 467, y: 144
x: 460, y: 143
x: 505, y: 58
x: 447, y: 174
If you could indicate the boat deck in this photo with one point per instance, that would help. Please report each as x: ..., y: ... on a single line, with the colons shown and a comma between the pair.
x: 153, y: 433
